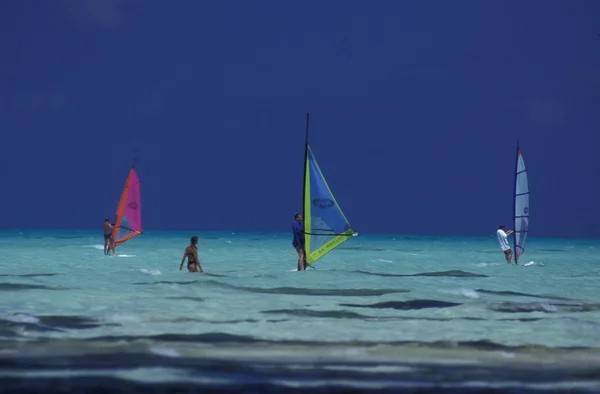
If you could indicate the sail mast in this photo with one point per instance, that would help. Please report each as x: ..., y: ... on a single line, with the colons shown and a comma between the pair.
x: 515, y: 204
x: 305, y: 168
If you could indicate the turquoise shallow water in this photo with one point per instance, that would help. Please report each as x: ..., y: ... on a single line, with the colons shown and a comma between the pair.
x: 380, y: 312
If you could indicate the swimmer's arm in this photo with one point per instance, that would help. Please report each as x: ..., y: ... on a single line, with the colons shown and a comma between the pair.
x: 182, y: 260
x: 198, y: 260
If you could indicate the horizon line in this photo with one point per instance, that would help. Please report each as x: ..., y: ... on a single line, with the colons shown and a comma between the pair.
x: 285, y: 232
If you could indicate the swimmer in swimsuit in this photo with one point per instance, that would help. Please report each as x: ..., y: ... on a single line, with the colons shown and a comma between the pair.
x: 191, y: 252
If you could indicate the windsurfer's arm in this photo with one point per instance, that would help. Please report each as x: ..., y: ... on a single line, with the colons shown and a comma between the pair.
x: 299, y: 233
x: 509, y: 232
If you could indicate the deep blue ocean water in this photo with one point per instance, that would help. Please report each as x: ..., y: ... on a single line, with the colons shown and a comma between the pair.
x: 380, y: 313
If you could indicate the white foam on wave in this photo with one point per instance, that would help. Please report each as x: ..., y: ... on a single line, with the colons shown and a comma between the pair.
x: 101, y: 247
x: 469, y: 293
x: 487, y: 264
x: 118, y: 318
x: 150, y: 272
x: 506, y: 354
x: 21, y: 318
x: 548, y: 307
x: 164, y: 351
x: 384, y: 261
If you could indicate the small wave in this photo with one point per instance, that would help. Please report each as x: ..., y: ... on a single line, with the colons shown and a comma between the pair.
x: 29, y: 275
x: 226, y: 338
x: 344, y: 314
x: 69, y: 321
x: 196, y: 319
x: 546, y: 307
x: 186, y: 298
x: 312, y: 313
x: 125, y: 255
x: 313, y: 292
x: 51, y: 322
x: 516, y: 293
x: 450, y: 273
x: 524, y: 319
x: 166, y: 282
x: 406, y: 305
x: 22, y: 286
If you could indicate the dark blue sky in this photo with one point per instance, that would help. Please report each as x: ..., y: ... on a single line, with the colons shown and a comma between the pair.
x: 415, y: 110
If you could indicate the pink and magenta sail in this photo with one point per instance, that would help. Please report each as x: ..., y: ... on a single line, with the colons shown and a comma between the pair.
x: 129, y: 211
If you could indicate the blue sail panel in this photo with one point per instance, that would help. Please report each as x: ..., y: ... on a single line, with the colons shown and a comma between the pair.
x: 326, y: 226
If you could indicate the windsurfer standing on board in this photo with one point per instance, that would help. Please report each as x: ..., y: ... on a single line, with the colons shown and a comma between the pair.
x: 503, y: 242
x: 191, y: 252
x: 108, y: 235
x: 298, y: 241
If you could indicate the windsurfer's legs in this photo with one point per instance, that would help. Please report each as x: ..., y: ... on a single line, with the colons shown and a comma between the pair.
x: 305, y: 262
x: 301, y: 258
x: 112, y: 245
x: 508, y: 255
x: 106, y: 239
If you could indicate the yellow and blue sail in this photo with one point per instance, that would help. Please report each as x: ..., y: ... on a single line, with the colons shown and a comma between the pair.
x: 325, y: 225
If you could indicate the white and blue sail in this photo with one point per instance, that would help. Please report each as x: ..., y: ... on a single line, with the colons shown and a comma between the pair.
x: 521, y: 206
